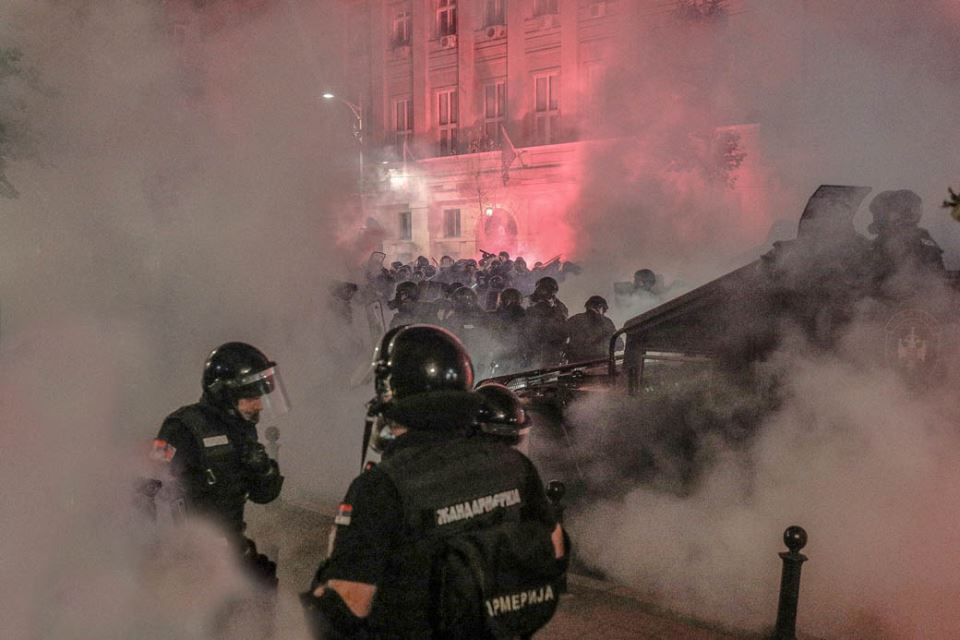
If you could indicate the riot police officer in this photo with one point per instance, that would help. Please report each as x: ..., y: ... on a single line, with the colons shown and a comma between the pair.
x: 545, y: 325
x: 509, y: 323
x: 406, y: 302
x: 900, y: 242
x: 644, y: 280
x: 589, y: 333
x: 211, y: 447
x: 437, y: 487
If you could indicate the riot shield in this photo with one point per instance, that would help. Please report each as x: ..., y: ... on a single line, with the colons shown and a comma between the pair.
x: 375, y: 263
x: 830, y: 207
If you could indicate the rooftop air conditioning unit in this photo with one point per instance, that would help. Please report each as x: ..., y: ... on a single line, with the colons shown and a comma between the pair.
x: 448, y: 42
x: 496, y: 31
x: 598, y: 9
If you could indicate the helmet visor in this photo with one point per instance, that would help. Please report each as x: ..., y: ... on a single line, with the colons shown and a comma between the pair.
x: 517, y: 436
x: 267, y: 385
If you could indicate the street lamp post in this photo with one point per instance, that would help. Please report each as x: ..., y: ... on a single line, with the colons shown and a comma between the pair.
x: 357, y: 126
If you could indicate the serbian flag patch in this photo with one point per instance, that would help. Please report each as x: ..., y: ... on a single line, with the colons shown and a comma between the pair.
x: 162, y: 451
x: 344, y: 511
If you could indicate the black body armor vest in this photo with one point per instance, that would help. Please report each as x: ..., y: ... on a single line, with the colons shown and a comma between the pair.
x: 446, y: 488
x: 218, y: 487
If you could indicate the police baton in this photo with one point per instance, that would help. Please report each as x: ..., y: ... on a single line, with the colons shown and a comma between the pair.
x: 367, y: 434
x: 555, y: 492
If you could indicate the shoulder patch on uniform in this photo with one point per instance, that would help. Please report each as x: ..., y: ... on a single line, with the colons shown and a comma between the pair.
x: 344, y: 512
x: 215, y: 441
x: 162, y: 451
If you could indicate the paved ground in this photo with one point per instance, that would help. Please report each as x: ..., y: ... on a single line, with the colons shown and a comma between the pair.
x: 596, y: 609
x: 591, y: 608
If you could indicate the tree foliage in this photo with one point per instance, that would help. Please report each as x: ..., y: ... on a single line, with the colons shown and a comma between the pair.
x: 953, y: 203
x: 728, y: 155
x: 13, y: 130
x: 700, y: 10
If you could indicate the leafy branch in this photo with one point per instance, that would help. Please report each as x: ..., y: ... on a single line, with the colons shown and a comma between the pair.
x: 700, y: 10
x: 14, y: 133
x: 953, y: 203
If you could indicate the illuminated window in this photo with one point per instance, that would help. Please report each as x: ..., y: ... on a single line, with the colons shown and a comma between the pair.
x: 401, y: 29
x: 494, y: 98
x: 405, y: 220
x: 493, y: 13
x: 403, y: 120
x: 447, y: 118
x: 451, y: 223
x: 546, y: 7
x: 446, y: 17
x: 547, y: 107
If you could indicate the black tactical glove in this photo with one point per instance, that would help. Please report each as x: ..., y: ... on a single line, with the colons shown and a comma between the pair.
x: 261, y: 568
x: 255, y: 459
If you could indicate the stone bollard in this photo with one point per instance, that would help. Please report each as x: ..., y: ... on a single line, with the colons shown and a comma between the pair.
x: 795, y: 538
x: 555, y: 492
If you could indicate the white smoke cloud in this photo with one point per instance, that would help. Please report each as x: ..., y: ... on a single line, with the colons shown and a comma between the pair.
x: 156, y: 221
x: 847, y: 450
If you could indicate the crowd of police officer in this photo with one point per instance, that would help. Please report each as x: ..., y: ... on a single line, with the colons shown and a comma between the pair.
x: 509, y: 316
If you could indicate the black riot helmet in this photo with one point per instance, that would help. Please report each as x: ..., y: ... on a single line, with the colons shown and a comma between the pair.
x: 405, y: 292
x: 423, y: 376
x: 464, y: 299
x: 644, y: 279
x: 510, y: 297
x: 548, y: 286
x: 502, y: 414
x: 598, y: 303
x: 235, y: 371
x: 895, y: 210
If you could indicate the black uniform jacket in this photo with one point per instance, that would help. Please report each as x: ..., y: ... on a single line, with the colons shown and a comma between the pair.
x: 208, y: 447
x: 393, y: 513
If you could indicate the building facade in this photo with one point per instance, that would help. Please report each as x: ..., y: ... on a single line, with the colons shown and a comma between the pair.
x: 472, y: 114
x: 474, y: 118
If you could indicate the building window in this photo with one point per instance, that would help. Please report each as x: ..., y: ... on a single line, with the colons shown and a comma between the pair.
x: 447, y: 118
x: 547, y: 107
x: 494, y: 99
x: 446, y: 17
x: 401, y: 29
x: 403, y: 121
x: 405, y: 223
x: 493, y: 13
x: 451, y: 223
x: 546, y: 7
x: 598, y: 8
